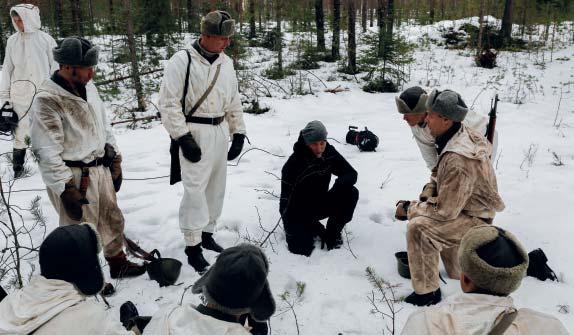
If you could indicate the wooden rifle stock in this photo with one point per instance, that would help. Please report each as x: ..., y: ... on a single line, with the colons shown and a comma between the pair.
x: 492, y: 119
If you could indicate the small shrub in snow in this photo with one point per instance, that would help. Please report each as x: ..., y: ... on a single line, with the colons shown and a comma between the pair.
x: 255, y: 108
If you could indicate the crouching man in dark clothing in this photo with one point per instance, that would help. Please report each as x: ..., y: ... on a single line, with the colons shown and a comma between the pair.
x: 305, y: 194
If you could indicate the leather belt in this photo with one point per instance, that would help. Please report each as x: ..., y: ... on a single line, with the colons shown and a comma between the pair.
x: 205, y: 120
x: 80, y: 164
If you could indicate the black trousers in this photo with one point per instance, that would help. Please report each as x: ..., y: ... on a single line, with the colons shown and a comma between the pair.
x: 302, y: 223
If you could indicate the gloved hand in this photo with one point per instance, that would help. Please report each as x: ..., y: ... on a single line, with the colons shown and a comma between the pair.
x: 73, y: 200
x: 402, y: 210
x: 109, y: 155
x: 189, y: 148
x: 236, y: 146
x: 116, y: 171
x: 429, y: 191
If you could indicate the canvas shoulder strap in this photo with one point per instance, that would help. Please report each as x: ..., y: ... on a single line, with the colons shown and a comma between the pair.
x: 205, y: 94
x: 186, y: 82
x: 504, y: 324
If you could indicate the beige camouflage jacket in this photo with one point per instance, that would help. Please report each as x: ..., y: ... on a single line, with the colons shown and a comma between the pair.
x: 466, y: 182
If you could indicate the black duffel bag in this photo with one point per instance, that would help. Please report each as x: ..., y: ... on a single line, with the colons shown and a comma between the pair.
x: 366, y: 140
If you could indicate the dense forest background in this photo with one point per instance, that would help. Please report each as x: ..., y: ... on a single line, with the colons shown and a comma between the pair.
x: 361, y: 35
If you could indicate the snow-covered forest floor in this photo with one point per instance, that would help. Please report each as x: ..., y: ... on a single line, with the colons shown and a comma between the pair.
x: 534, y: 167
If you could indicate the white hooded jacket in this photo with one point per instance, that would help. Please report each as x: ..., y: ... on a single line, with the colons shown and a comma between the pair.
x: 223, y: 100
x: 186, y: 320
x: 477, y: 314
x: 28, y: 58
x: 48, y: 306
x: 66, y: 127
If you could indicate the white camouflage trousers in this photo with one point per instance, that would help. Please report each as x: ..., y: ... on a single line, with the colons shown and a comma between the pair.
x: 203, y: 182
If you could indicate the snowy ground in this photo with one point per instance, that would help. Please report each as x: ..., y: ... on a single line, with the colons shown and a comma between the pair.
x: 536, y: 190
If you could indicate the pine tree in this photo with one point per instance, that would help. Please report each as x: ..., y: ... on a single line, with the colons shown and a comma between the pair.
x: 319, y: 22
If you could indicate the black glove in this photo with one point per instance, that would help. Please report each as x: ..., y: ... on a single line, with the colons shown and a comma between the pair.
x: 236, y: 146
x: 109, y: 155
x: 189, y: 148
x: 402, y: 210
x: 73, y: 200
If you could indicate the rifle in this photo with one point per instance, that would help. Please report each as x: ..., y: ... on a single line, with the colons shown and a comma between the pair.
x: 492, y: 119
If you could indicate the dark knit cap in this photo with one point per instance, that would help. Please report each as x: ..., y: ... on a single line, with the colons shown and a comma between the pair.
x: 237, y: 283
x: 76, y: 51
x: 314, y: 131
x: 218, y: 23
x: 70, y: 253
x: 493, y: 259
x: 412, y: 101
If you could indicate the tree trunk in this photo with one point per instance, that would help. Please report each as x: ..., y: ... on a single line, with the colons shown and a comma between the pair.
x: 389, y: 19
x: 320, y: 23
x: 371, y: 17
x: 60, y: 18
x: 260, y: 14
x: 442, y: 9
x: 190, y: 20
x: 480, y: 28
x: 523, y: 25
x: 133, y: 56
x: 92, y: 24
x: 506, y: 25
x: 279, y: 46
x: 336, y: 29
x: 252, y: 32
x: 431, y: 11
x: 352, y: 48
x: 381, y: 25
x: 364, y: 11
x: 111, y: 18
x: 2, y: 44
x: 76, y: 8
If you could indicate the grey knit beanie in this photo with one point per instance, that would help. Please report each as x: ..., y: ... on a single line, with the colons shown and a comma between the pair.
x: 412, y: 101
x: 76, y: 51
x: 237, y: 283
x: 493, y: 259
x: 314, y: 131
x: 218, y: 23
x: 448, y: 104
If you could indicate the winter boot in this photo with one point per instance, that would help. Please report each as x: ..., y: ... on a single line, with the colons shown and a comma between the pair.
x: 209, y: 243
x: 18, y: 156
x: 195, y: 258
x: 108, y: 290
x: 120, y: 267
x: 424, y: 299
x: 333, y: 241
x: 128, y: 311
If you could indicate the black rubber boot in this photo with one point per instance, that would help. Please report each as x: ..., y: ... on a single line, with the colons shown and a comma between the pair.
x: 195, y: 258
x: 424, y: 299
x: 209, y: 243
x: 18, y: 157
x: 121, y: 267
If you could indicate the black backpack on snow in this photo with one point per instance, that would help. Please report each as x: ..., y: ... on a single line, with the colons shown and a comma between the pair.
x: 366, y: 140
x: 537, y: 266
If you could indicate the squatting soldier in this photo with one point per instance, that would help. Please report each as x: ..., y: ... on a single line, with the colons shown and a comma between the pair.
x: 411, y: 104
x: 467, y: 195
